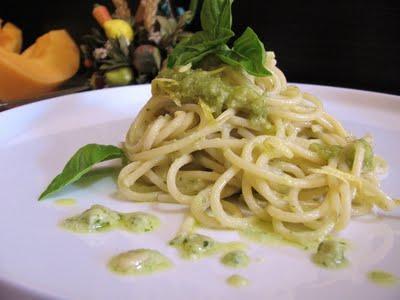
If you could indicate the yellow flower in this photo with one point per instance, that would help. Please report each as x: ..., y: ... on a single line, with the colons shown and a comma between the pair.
x: 116, y: 28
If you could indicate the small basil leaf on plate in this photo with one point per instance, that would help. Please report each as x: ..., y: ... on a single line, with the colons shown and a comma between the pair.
x: 81, y: 163
x: 248, y: 52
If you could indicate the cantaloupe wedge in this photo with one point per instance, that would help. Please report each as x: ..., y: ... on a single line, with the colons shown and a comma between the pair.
x: 53, y: 59
x: 11, y: 38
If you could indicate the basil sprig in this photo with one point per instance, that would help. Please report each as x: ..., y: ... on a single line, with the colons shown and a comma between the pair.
x: 80, y: 164
x: 247, y: 52
x: 216, y: 17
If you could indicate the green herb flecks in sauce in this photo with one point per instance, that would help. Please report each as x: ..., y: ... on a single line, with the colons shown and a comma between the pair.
x: 139, y: 222
x: 236, y: 259
x: 237, y: 281
x: 139, y: 262
x: 194, y: 246
x: 382, y: 278
x: 330, y: 254
x: 99, y: 218
x: 96, y: 218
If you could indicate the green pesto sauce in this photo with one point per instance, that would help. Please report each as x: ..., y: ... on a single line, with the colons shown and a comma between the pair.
x: 191, y: 186
x: 236, y: 259
x: 139, y: 262
x: 65, y: 202
x: 99, y: 218
x: 194, y: 246
x: 217, y: 91
x: 263, y: 233
x: 349, y: 152
x: 382, y: 278
x: 139, y: 222
x: 330, y: 254
x: 327, y: 152
x: 237, y: 281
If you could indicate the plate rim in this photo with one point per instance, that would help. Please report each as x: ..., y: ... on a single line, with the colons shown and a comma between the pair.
x: 111, y: 89
x: 25, y: 289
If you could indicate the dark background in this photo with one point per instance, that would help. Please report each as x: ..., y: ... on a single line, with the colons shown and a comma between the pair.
x: 341, y: 43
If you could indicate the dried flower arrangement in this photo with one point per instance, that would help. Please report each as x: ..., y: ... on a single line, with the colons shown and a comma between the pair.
x: 132, y: 48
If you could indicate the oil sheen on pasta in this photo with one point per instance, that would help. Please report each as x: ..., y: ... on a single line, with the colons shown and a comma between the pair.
x: 139, y: 262
x: 99, y: 218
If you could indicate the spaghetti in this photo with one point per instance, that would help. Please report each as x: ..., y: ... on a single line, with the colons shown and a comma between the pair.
x: 279, y: 157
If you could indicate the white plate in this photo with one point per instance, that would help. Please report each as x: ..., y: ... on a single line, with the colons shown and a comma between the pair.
x: 38, y: 258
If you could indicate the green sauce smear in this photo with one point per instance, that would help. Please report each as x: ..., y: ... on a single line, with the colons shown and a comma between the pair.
x: 236, y: 259
x: 99, y: 218
x: 263, y: 233
x: 194, y: 246
x: 139, y: 262
x: 65, y: 202
x: 330, y: 254
x: 382, y: 278
x: 139, y: 222
x: 237, y: 281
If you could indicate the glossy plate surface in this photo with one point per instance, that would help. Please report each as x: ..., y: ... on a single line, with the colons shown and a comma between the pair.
x: 39, y: 259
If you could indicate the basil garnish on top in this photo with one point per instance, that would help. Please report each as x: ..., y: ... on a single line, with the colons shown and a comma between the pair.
x: 248, y: 51
x: 216, y: 17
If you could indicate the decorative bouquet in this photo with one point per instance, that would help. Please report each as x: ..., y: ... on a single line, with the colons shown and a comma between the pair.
x: 131, y: 49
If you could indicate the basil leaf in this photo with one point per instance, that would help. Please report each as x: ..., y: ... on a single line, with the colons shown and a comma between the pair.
x: 196, y: 47
x: 232, y: 58
x: 192, y: 49
x: 216, y: 16
x: 216, y: 20
x: 248, y: 52
x: 81, y: 163
x: 250, y: 46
